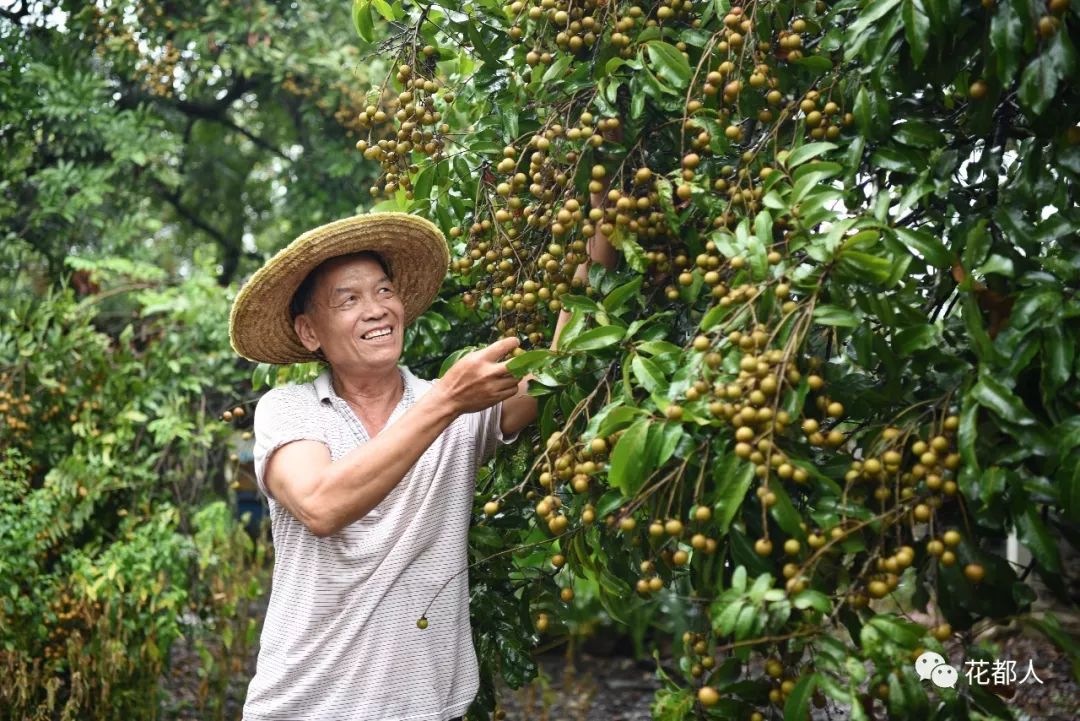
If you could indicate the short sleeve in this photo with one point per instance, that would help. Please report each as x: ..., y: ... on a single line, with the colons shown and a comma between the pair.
x: 282, y: 416
x: 490, y: 433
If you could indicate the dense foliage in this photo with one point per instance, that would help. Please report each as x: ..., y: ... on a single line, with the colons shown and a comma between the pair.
x: 151, y: 129
x: 836, y: 363
x: 112, y: 544
x: 151, y: 152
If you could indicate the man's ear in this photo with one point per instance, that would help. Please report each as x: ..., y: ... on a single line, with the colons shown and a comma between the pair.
x: 306, y: 332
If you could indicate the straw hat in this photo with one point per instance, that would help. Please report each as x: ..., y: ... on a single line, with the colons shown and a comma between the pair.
x: 260, y: 325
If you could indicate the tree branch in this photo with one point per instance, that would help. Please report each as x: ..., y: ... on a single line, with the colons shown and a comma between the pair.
x: 215, y: 111
x: 173, y: 198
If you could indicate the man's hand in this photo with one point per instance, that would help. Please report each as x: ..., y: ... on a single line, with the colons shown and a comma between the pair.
x: 479, y: 379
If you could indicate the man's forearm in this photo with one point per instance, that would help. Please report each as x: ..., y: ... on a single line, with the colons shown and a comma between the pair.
x: 358, y: 481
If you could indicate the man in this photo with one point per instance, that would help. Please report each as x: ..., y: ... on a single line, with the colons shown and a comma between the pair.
x: 369, y: 472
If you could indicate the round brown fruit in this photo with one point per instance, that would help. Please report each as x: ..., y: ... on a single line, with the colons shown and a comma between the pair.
x: 708, y: 696
x: 974, y: 572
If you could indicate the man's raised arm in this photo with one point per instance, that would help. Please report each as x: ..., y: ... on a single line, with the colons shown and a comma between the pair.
x: 328, y: 495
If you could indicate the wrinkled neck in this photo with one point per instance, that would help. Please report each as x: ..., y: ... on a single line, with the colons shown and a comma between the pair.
x: 377, y: 394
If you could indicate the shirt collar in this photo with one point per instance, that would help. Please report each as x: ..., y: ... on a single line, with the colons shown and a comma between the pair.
x: 325, y: 388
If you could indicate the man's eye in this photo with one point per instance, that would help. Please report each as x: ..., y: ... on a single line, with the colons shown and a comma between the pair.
x: 388, y: 290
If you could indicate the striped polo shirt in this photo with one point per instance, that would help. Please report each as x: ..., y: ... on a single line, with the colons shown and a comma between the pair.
x: 340, y: 640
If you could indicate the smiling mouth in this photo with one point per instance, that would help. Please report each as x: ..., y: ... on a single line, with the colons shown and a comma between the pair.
x: 376, y: 334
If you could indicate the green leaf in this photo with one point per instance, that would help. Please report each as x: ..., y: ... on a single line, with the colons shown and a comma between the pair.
x: 423, y: 182
x: 629, y: 466
x: 866, y: 267
x: 812, y: 599
x: 454, y: 357
x: 383, y: 8
x: 1007, y: 37
x: 572, y: 329
x: 556, y: 69
x: 899, y: 631
x: 993, y: 395
x: 918, y: 337
x: 797, y: 706
x: 1035, y: 536
x: 619, y: 296
x: 732, y: 480
x: 616, y: 419
x: 815, y: 63
x: 1069, y: 489
x: 864, y: 112
x: 1059, y: 351
x: 648, y: 374
x: 670, y: 63
x: 826, y: 314
x: 574, y: 302
x: 714, y: 315
x: 529, y: 361
x: 1040, y: 79
x: 918, y: 134
x: 860, y: 28
x: 472, y: 29
x: 596, y: 338
x: 931, y: 249
x: 916, y: 29
x: 361, y: 16
x: 785, y: 514
x: 807, y: 152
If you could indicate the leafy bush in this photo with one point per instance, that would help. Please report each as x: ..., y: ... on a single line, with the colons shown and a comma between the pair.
x: 836, y: 362
x: 111, y: 545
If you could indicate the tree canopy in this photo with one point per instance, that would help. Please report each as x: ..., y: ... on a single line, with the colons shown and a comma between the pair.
x: 151, y: 129
x: 836, y: 362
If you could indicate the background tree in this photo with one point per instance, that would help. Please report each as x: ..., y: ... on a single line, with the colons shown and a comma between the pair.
x: 151, y: 129
x: 836, y: 363
x: 152, y: 154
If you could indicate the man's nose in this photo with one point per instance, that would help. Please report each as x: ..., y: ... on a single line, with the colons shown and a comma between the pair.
x: 371, y: 308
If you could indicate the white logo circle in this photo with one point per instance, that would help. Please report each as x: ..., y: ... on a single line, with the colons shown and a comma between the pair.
x: 931, y: 665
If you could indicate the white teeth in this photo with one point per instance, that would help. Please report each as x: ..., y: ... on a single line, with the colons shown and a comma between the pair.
x: 371, y: 335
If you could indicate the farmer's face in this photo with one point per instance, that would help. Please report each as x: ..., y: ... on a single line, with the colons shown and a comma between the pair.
x: 356, y: 317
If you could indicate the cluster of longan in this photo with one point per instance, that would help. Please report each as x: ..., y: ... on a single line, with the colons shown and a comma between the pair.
x: 573, y: 465
x: 412, y: 122
x: 72, y: 616
x: 749, y: 401
x: 696, y: 651
x: 526, y: 249
x: 159, y: 69
x: 17, y: 410
x: 572, y: 469
x: 665, y: 538
x: 234, y: 414
x: 577, y: 27
x: 823, y: 117
x: 575, y: 24
x: 781, y: 681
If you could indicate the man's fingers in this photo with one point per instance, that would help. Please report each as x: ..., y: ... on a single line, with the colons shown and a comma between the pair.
x: 509, y: 391
x: 501, y: 347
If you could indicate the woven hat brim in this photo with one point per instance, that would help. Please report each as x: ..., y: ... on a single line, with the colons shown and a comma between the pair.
x: 260, y: 325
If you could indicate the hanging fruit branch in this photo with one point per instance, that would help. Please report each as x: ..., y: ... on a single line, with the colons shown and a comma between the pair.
x: 783, y: 416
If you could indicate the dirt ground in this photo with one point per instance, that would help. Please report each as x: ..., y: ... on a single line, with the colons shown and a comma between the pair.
x: 592, y: 688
